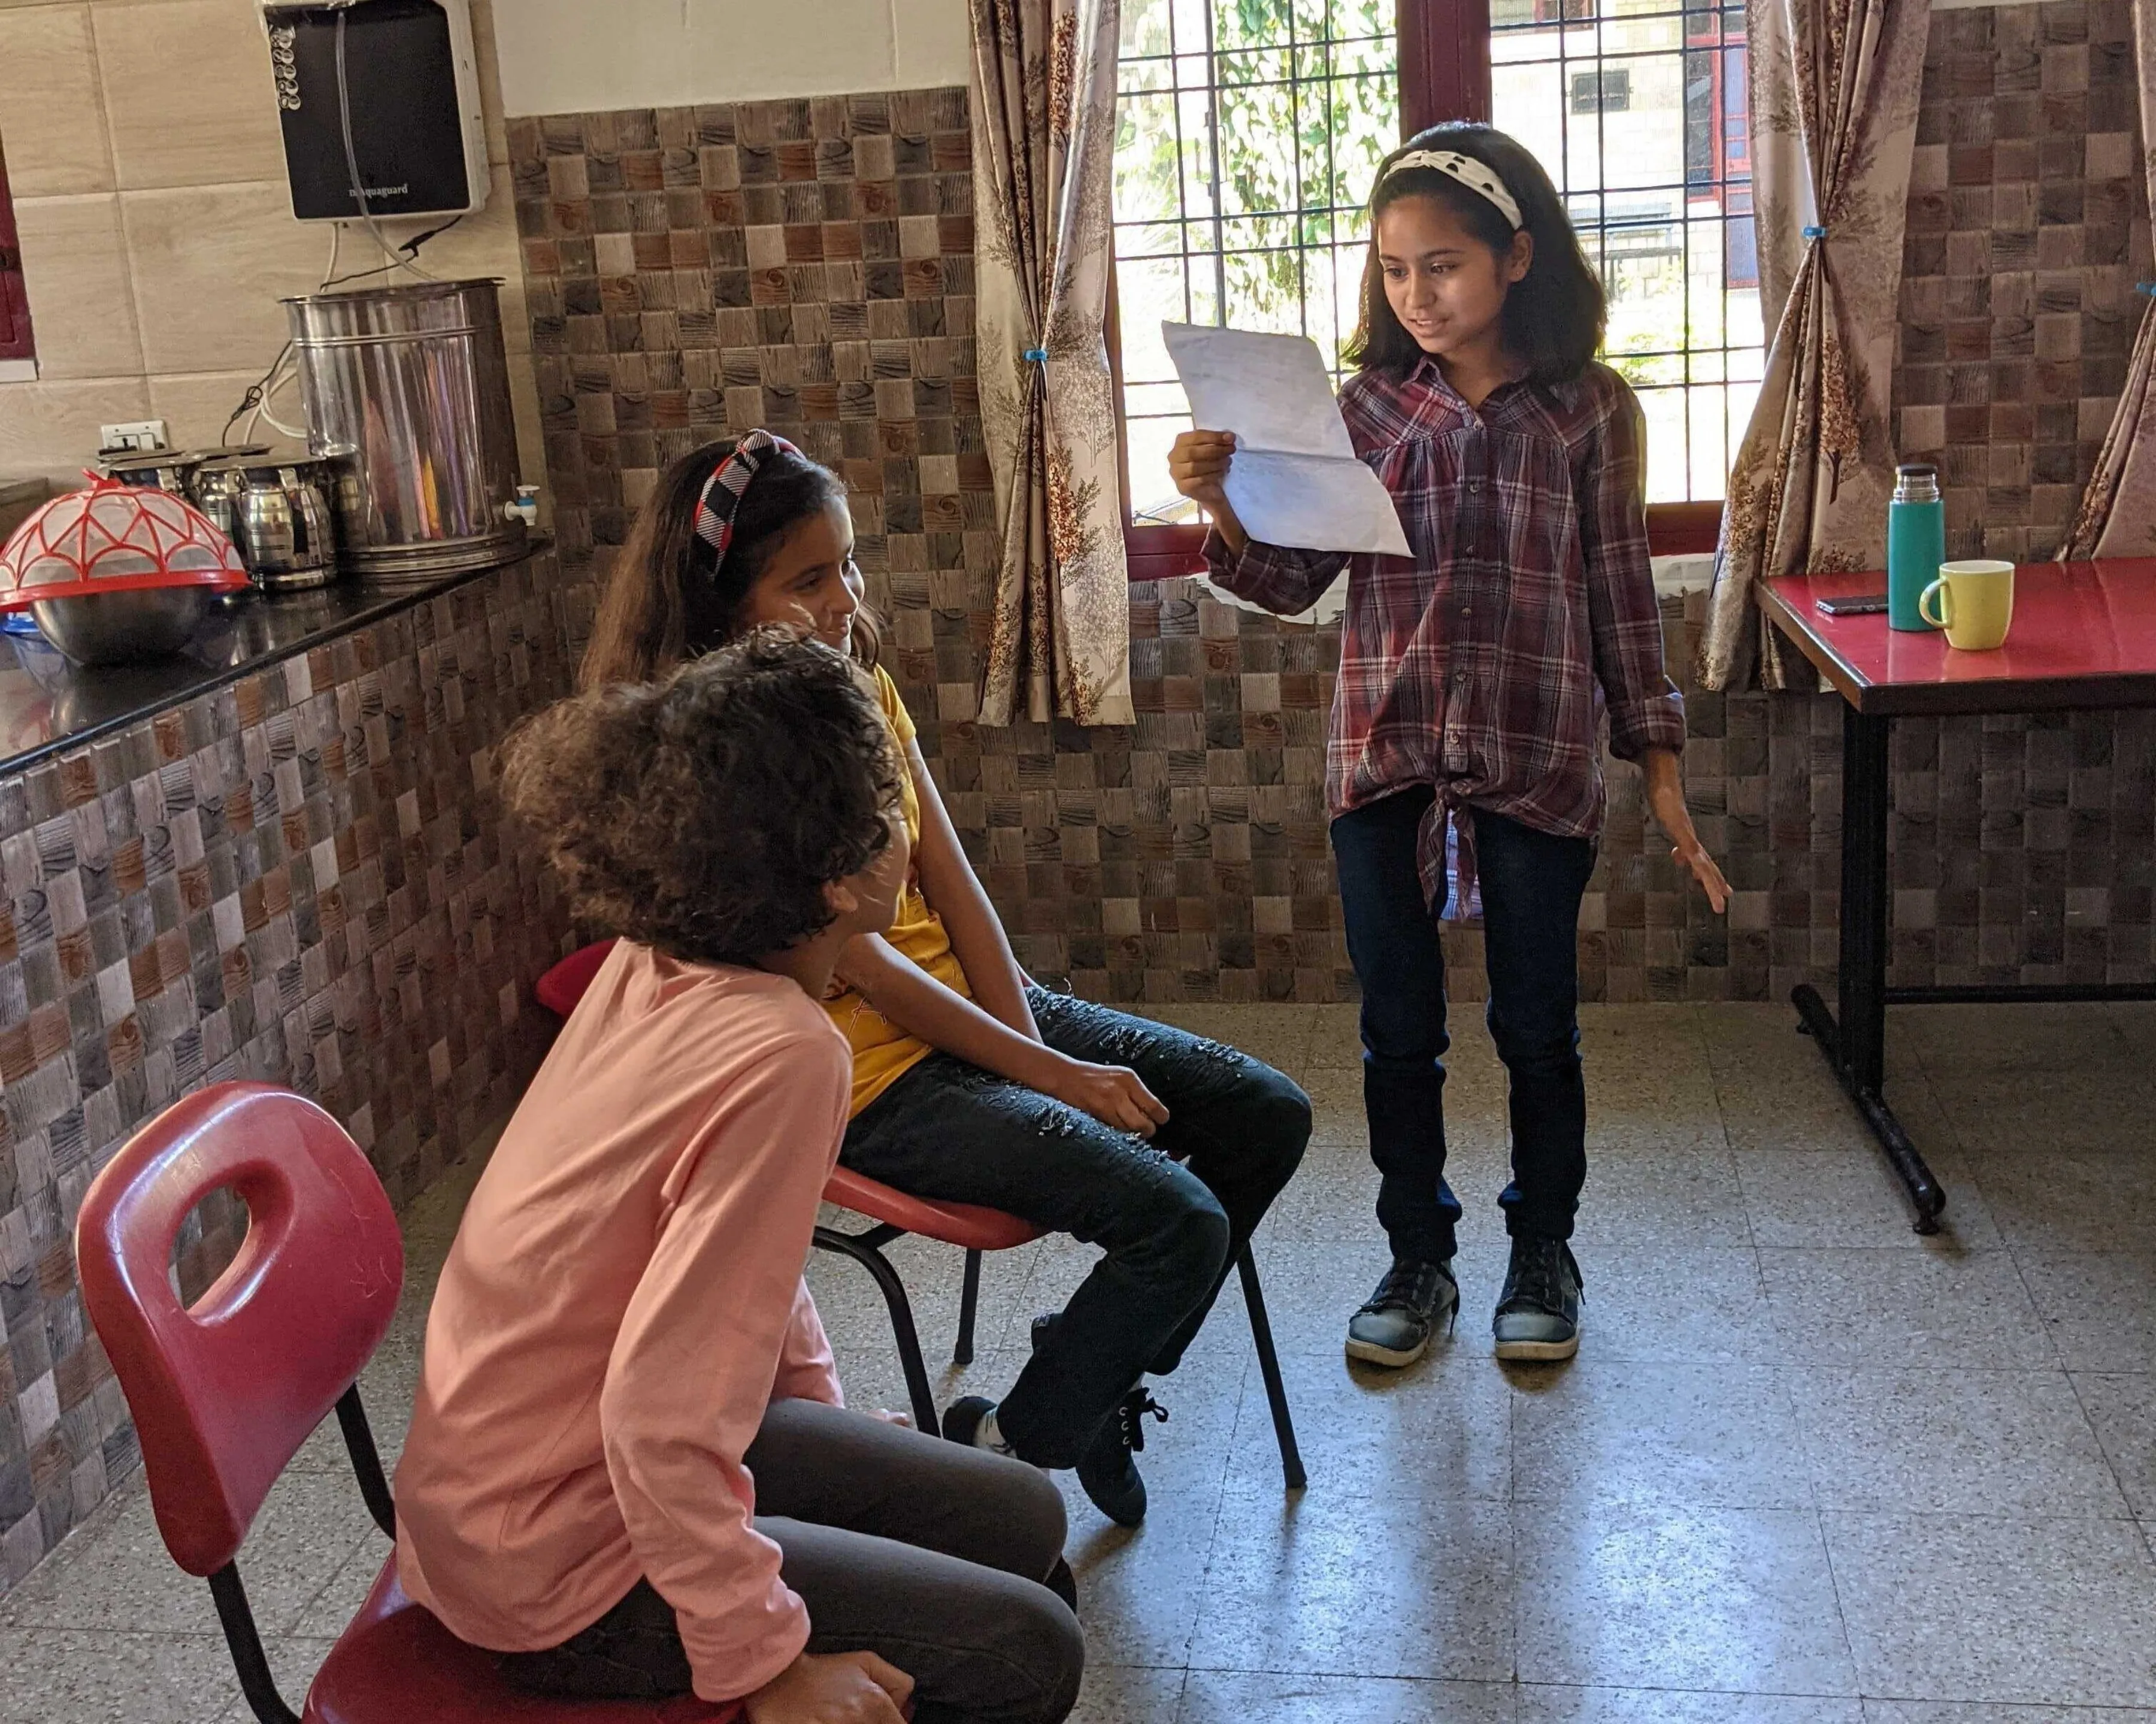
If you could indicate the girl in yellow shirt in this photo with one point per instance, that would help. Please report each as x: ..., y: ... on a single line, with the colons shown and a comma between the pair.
x: 971, y: 1084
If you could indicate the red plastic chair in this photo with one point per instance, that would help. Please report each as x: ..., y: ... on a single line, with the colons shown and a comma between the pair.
x: 224, y: 1392
x: 972, y: 1229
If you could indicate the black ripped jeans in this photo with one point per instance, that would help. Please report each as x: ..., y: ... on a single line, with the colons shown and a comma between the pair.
x: 1171, y: 1213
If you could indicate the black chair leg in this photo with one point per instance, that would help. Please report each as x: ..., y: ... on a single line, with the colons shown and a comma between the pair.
x: 866, y: 1249
x: 1261, y: 1331
x: 969, y: 1299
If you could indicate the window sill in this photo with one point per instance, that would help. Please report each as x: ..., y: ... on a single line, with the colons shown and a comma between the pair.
x: 18, y: 371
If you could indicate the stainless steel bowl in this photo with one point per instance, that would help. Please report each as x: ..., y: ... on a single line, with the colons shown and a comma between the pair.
x: 117, y: 627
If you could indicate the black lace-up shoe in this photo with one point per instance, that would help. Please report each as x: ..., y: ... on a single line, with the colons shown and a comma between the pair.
x: 1538, y: 1313
x: 1395, y: 1326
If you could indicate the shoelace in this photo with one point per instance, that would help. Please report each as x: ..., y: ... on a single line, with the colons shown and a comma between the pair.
x: 1537, y: 1282
x: 1406, y: 1287
x: 1131, y: 1412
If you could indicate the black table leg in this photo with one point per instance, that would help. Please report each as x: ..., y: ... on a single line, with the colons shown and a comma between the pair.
x: 1855, y: 1047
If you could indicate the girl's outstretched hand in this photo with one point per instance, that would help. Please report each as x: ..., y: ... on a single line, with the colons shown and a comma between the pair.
x: 1666, y: 796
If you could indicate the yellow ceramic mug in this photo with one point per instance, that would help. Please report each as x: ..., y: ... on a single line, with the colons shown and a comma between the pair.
x: 1975, y: 603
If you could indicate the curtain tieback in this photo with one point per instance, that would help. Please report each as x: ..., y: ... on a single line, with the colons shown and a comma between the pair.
x: 1036, y: 355
x: 2146, y: 287
x: 1814, y: 232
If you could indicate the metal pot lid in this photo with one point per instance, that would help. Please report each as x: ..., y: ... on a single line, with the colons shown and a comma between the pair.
x: 151, y: 460
x: 268, y: 463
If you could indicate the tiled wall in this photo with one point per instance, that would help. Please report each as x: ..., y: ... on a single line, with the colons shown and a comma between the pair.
x: 2028, y: 229
x: 297, y: 878
x: 148, y: 172
x: 805, y: 265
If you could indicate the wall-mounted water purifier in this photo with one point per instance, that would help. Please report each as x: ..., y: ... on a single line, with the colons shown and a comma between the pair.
x: 379, y: 97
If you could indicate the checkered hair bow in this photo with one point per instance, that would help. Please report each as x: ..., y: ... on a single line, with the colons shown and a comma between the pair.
x: 723, y: 491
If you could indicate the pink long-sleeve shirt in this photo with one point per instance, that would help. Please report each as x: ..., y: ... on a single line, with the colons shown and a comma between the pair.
x: 622, y: 1302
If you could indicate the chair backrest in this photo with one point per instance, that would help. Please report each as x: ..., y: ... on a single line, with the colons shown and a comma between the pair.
x: 224, y: 1392
x: 562, y: 987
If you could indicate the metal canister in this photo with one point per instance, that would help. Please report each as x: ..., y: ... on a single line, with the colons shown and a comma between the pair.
x: 411, y: 383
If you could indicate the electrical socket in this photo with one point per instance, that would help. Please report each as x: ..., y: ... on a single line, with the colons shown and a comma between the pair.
x: 139, y: 434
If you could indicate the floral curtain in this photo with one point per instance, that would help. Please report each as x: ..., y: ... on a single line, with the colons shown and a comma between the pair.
x: 1043, y: 119
x: 1834, y: 114
x: 2117, y: 516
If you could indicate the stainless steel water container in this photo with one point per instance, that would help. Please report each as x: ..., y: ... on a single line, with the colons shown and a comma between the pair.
x: 411, y: 384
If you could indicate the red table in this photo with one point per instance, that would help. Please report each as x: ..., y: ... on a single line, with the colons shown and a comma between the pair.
x: 2084, y: 636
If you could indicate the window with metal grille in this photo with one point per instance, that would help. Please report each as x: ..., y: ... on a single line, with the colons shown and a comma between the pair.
x: 1249, y: 131
x: 14, y: 301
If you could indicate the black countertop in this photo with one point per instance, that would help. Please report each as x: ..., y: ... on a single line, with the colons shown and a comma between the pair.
x: 48, y: 705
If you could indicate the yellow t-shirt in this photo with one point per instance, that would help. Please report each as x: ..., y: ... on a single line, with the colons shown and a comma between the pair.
x: 883, y: 1053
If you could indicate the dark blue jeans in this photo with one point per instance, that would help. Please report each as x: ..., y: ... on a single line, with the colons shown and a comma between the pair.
x: 1171, y: 1213
x: 1531, y: 883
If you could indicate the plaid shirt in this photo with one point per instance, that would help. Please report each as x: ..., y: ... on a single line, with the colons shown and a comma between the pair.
x: 1481, y: 665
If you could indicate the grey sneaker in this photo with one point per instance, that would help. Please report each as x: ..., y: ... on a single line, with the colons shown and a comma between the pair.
x: 1395, y: 1323
x: 1539, y: 1312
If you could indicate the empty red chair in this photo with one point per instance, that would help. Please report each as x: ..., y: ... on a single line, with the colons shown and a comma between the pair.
x: 975, y: 1231
x: 224, y: 1392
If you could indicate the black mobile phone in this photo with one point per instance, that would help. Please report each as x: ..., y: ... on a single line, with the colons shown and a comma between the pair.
x: 1854, y: 604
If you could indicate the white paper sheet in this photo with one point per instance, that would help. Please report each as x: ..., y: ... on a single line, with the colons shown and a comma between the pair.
x: 1296, y: 480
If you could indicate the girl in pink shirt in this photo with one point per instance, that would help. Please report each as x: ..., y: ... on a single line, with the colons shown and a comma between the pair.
x: 629, y: 1470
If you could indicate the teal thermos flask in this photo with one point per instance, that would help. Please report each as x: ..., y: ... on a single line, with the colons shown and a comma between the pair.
x: 1915, y: 543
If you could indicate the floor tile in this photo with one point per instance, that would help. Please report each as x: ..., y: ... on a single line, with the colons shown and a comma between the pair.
x: 1921, y: 1711
x: 2100, y: 1308
x: 2051, y: 1202
x: 1888, y: 1441
x: 1541, y: 1704
x: 1676, y: 1303
x: 2019, y: 1037
x: 1140, y: 1592
x: 1308, y: 1585
x: 2121, y: 1406
x: 1126, y: 1694
x: 1845, y: 1197
x: 2077, y: 1109
x: 293, y: 1661
x: 1640, y: 1198
x: 1271, y: 1697
x: 1442, y: 1427
x: 1857, y: 1307
x: 1690, y: 1435
x: 1944, y: 1607
x: 1665, y: 1597
x: 116, y: 1574
x: 70, y: 1676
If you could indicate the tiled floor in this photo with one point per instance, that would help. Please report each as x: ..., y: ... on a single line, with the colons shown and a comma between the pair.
x: 1810, y: 1467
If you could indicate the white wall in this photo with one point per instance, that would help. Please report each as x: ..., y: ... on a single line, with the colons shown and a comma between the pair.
x: 576, y: 56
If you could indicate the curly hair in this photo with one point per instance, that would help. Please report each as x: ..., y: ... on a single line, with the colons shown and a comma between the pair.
x: 668, y: 600
x: 704, y: 815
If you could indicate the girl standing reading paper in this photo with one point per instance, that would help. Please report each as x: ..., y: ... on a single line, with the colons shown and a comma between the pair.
x: 1472, y: 680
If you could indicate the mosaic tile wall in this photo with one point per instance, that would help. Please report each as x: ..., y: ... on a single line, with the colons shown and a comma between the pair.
x: 297, y: 878
x: 2028, y: 229
x: 807, y: 266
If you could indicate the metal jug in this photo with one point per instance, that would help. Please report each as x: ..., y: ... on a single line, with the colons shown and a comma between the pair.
x: 282, y: 514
